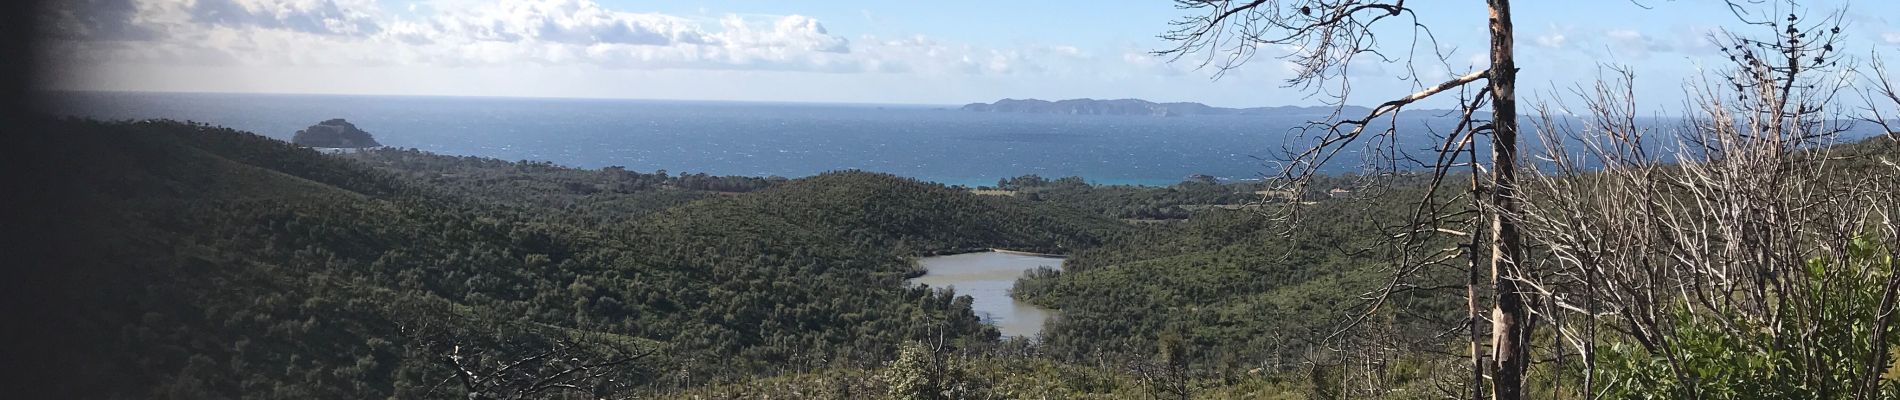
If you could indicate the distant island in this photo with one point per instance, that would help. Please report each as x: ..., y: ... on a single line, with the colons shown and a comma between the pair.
x: 1144, y: 107
x: 334, y: 133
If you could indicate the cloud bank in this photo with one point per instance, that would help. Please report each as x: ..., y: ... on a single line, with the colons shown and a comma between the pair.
x: 358, y: 33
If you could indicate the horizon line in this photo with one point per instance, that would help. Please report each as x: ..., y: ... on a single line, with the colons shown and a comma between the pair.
x: 609, y: 98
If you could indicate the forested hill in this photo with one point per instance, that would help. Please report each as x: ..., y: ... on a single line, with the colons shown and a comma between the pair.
x: 202, y: 262
x: 881, y: 210
x: 176, y: 260
x: 1242, y: 289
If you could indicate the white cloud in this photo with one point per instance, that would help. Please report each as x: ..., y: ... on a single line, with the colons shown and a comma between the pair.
x: 792, y: 32
x: 1891, y: 37
x: 1554, y: 40
x: 355, y: 33
x: 1634, y: 43
x: 563, y: 21
x: 310, y: 16
x: 94, y: 20
x: 586, y: 48
x: 1624, y: 35
x: 1556, y: 36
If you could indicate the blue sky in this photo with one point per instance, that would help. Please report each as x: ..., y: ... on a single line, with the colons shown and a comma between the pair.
x: 938, y: 52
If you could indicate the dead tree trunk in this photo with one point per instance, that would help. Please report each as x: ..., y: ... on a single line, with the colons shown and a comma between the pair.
x: 1471, y: 297
x: 1324, y: 37
x: 1510, y: 351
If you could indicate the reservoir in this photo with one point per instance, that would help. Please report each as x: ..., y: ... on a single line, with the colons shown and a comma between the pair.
x: 986, y: 277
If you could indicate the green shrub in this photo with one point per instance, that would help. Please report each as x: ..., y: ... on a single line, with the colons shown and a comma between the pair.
x: 1816, y: 354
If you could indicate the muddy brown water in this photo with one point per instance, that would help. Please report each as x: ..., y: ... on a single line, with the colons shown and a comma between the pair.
x: 986, y: 277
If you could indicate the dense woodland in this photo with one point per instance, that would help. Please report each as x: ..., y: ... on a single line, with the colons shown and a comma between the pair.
x: 224, y: 264
x: 222, y: 251
x: 1197, y: 193
x: 358, y: 274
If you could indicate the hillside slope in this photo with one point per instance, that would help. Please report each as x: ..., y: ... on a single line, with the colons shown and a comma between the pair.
x: 1241, y: 288
x: 197, y: 256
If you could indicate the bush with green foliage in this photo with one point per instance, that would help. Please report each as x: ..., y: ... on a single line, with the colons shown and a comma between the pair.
x: 1759, y: 360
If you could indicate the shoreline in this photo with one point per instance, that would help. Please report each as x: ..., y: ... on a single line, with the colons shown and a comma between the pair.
x: 1028, y: 253
x: 953, y: 252
x: 917, y: 261
x: 992, y: 291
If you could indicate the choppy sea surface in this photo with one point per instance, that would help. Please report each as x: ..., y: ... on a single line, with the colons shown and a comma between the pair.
x: 934, y: 143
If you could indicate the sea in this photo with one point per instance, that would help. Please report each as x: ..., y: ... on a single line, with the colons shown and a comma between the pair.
x: 933, y: 143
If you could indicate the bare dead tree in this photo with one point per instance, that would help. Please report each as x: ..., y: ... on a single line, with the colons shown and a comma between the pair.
x: 562, y: 367
x: 1165, y: 379
x: 1637, y: 225
x: 1882, y: 98
x: 1323, y: 39
x: 522, y: 360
